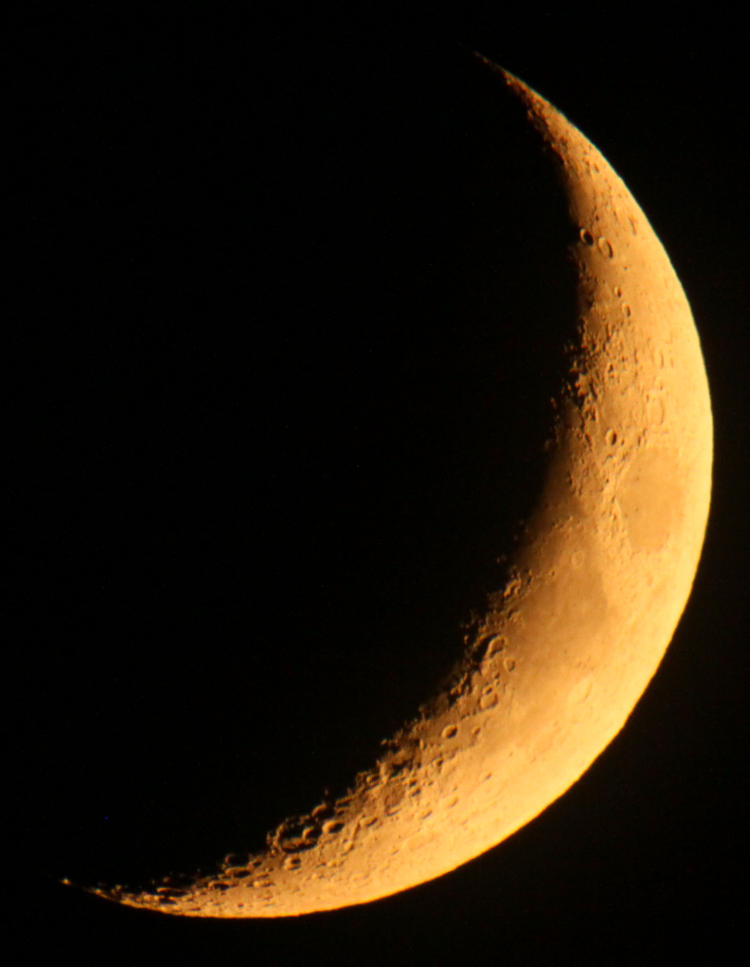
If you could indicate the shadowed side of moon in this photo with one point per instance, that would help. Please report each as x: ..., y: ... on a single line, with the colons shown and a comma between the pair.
x: 308, y: 479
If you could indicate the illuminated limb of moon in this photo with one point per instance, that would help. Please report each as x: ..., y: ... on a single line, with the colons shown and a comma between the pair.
x: 567, y: 647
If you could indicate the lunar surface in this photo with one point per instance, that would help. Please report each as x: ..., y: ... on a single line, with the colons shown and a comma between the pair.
x: 564, y: 649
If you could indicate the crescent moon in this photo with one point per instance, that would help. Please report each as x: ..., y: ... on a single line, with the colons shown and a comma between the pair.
x: 566, y: 648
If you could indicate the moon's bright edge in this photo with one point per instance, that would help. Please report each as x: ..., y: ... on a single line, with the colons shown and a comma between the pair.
x: 566, y: 648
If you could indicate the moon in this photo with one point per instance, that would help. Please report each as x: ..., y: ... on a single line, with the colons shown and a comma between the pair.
x: 568, y: 644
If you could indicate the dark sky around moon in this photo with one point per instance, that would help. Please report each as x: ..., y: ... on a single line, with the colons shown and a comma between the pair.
x: 220, y: 524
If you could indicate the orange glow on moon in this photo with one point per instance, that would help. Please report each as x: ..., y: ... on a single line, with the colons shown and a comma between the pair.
x: 565, y: 649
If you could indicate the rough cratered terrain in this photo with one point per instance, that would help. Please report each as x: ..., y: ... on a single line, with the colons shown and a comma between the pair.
x: 565, y: 646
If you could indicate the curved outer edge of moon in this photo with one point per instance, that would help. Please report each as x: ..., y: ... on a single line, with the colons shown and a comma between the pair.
x: 564, y: 651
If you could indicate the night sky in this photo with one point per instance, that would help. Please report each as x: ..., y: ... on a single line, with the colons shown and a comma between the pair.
x: 284, y: 318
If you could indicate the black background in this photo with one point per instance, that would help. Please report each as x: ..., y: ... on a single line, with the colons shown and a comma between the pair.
x: 259, y: 358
